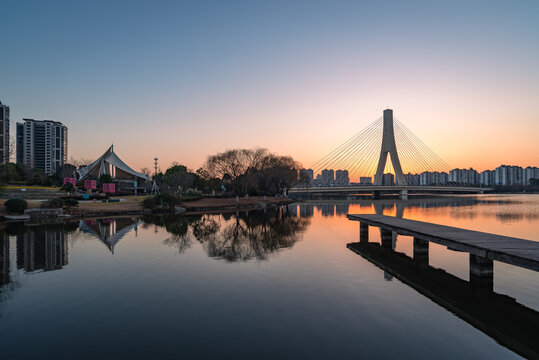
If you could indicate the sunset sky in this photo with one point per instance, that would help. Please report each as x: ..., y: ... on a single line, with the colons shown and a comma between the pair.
x: 181, y: 80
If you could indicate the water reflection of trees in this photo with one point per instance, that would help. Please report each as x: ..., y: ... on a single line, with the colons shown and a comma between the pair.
x: 235, y: 237
x: 253, y: 235
x: 176, y: 226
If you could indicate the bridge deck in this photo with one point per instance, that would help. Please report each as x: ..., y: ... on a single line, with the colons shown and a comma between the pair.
x: 383, y: 188
x: 514, y: 251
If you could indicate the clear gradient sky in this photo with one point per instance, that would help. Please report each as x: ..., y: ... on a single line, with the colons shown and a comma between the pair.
x: 181, y: 80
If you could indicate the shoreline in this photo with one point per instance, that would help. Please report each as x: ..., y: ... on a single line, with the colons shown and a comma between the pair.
x: 134, y: 208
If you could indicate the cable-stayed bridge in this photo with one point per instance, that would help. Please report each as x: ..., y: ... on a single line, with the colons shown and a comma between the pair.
x: 366, y: 154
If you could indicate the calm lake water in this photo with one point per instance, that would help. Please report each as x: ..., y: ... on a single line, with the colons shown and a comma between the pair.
x: 274, y: 284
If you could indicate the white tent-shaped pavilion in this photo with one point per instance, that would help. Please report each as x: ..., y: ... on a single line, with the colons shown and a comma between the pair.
x: 109, y: 163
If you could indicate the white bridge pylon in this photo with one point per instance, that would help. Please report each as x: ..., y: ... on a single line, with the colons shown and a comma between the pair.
x: 389, y: 147
x: 365, y: 155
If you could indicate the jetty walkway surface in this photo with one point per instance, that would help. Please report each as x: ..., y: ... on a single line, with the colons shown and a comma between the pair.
x: 514, y: 251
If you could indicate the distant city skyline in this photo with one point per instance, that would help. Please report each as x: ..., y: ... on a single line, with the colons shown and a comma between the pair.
x: 181, y: 81
x: 501, y: 175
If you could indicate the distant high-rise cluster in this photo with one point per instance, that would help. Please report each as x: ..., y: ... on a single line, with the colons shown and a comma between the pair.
x: 503, y: 175
x: 511, y: 175
x: 327, y: 177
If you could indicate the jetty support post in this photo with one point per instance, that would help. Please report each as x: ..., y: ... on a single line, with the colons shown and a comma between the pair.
x: 363, y: 232
x: 421, y: 252
x: 387, y: 238
x: 481, y: 273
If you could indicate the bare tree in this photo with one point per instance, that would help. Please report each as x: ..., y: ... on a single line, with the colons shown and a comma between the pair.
x: 146, y: 171
x: 234, y: 164
x: 80, y: 163
x: 11, y: 155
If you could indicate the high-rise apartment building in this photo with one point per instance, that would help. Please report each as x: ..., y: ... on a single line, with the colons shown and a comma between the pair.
x: 19, y: 156
x: 4, y: 133
x: 328, y: 177
x: 433, y: 178
x: 508, y: 175
x: 412, y: 179
x: 388, y: 179
x: 342, y: 178
x: 44, y: 144
x: 464, y: 176
x: 530, y: 173
x: 487, y: 178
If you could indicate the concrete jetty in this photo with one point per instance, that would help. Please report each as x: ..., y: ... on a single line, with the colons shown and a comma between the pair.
x: 482, y: 247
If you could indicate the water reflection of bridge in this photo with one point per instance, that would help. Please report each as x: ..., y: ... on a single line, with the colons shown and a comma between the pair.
x: 342, y: 207
x: 499, y: 316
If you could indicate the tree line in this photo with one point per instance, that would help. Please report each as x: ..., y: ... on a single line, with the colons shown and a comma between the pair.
x: 238, y: 171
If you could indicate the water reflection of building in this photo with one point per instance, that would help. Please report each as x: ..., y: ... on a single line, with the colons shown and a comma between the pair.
x: 41, y: 250
x: 306, y: 210
x: 342, y: 209
x: 292, y: 209
x: 109, y: 231
x: 4, y: 259
x: 327, y: 209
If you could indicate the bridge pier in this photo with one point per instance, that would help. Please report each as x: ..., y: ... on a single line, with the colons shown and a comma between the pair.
x: 403, y: 194
x: 421, y: 253
x: 376, y: 195
x: 481, y: 273
x: 363, y: 232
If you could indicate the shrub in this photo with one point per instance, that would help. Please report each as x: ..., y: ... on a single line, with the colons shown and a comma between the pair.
x: 149, y: 203
x: 67, y: 187
x: 16, y: 205
x: 169, y: 200
x: 59, y: 203
x: 69, y: 203
x: 52, y: 204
